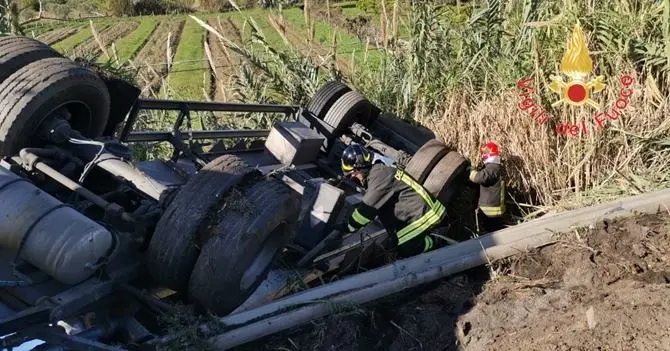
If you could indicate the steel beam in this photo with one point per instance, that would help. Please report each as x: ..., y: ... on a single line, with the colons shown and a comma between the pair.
x: 130, y: 121
x: 24, y: 319
x: 135, y: 137
x: 368, y: 237
x: 155, y: 104
x: 70, y: 184
x: 71, y: 301
x: 74, y: 300
x: 120, y: 168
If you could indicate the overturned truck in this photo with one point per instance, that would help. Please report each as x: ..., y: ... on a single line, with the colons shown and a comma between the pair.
x: 86, y: 230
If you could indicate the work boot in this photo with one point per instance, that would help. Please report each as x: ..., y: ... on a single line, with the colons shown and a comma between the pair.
x: 440, y: 238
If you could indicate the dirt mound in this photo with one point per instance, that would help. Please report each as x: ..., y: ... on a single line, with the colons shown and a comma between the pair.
x: 223, y: 60
x: 600, y: 289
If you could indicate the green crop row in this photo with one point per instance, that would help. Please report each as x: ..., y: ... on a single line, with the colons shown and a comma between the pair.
x: 347, y: 44
x: 129, y: 46
x: 189, y: 73
x: 69, y: 43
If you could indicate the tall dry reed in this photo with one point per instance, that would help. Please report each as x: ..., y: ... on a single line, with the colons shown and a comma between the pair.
x: 457, y: 71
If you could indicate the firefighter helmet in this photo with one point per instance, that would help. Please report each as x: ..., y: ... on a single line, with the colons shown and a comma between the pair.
x: 356, y: 157
x: 490, y: 149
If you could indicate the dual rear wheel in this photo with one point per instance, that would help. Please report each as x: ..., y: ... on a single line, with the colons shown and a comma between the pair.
x: 220, y: 235
x: 434, y: 165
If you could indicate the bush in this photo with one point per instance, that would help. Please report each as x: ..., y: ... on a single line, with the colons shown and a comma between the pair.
x: 120, y: 7
x: 60, y: 11
x: 374, y: 5
x: 162, y: 7
x: 32, y: 4
x: 214, y: 5
x: 245, y: 4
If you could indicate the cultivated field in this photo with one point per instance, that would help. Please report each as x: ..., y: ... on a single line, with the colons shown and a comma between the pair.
x: 176, y: 57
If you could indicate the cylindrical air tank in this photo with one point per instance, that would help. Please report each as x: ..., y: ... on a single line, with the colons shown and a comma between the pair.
x: 58, y: 240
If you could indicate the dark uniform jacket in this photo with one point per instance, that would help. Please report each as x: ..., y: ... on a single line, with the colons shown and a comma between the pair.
x: 491, y: 189
x: 395, y: 202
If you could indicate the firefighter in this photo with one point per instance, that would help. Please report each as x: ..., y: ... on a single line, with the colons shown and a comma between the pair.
x: 491, y: 205
x: 407, y: 211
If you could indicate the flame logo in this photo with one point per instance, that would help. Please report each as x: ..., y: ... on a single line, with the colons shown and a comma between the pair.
x: 576, y: 65
x: 576, y: 59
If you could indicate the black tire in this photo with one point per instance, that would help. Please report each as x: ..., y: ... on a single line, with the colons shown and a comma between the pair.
x: 325, y: 97
x: 244, y: 245
x: 349, y: 108
x: 174, y: 247
x: 16, y: 52
x: 443, y: 180
x: 420, y: 165
x: 38, y: 89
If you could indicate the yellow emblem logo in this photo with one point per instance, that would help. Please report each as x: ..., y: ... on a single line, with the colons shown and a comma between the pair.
x: 577, y: 66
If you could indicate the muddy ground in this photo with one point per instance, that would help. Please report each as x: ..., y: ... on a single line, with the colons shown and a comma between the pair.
x: 604, y: 288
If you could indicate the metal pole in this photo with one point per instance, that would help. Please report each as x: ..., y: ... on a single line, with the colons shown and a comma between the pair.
x: 198, y: 135
x: 130, y: 122
x: 155, y: 104
x: 122, y: 168
x: 70, y: 184
x: 98, y: 153
x: 305, y: 314
x: 416, y: 270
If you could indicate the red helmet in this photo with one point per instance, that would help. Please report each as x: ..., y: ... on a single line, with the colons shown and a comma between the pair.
x: 489, y: 150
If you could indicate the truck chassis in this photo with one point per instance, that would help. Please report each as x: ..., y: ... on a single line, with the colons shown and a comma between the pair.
x: 93, y: 260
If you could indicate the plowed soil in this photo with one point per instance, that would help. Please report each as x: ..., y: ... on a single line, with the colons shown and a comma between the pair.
x: 57, y: 35
x: 107, y: 36
x: 151, y: 61
x: 224, y: 61
x: 603, y: 288
x: 317, y: 52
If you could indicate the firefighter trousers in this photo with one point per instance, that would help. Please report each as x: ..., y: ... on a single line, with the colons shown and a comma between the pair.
x: 489, y: 224
x: 423, y: 242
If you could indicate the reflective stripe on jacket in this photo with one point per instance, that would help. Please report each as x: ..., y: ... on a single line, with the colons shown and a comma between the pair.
x: 400, y: 202
x: 491, y: 189
x: 429, y: 219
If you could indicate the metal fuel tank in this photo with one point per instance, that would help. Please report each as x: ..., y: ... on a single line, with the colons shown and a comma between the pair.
x: 56, y: 238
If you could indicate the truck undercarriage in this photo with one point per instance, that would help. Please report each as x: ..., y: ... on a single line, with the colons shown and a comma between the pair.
x: 97, y: 245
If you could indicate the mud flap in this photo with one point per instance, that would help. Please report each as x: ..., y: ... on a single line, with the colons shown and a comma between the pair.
x: 123, y: 96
